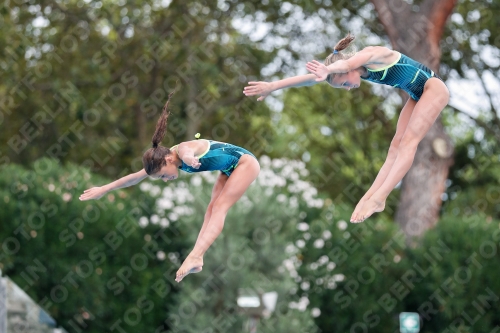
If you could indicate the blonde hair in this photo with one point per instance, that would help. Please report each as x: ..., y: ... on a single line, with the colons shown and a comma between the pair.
x: 336, y: 55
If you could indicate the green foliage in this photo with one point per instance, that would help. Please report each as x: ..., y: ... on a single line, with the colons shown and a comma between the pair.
x: 87, y: 85
x: 97, y: 75
x: 472, y: 188
x: 89, y: 264
x: 362, y: 276
x: 470, y: 31
x: 472, y: 192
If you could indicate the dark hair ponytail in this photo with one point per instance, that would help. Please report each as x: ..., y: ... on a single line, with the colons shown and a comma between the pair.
x: 154, y: 158
x: 161, y: 125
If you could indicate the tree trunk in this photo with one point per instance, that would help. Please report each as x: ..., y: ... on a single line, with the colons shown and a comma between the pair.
x: 416, y: 31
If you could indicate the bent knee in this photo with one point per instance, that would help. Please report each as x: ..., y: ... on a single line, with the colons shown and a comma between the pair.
x: 396, y: 141
x: 409, y: 142
x: 220, y: 208
x: 394, y: 148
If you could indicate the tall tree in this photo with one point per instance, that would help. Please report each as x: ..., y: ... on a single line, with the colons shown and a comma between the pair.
x: 416, y: 30
x: 106, y: 71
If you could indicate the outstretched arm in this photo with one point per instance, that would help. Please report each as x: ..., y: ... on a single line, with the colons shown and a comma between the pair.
x: 262, y: 88
x: 129, y: 180
x: 371, y: 55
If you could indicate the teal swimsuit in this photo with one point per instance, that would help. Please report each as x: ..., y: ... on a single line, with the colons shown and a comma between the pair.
x: 219, y: 156
x: 405, y: 73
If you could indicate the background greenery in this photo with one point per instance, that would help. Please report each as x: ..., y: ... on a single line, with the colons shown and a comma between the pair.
x: 105, y: 67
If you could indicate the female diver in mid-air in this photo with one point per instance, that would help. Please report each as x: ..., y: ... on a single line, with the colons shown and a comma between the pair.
x: 428, y: 97
x: 239, y: 168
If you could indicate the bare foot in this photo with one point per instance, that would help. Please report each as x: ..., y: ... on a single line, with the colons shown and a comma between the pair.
x: 369, y: 207
x: 190, y: 265
x: 354, y: 216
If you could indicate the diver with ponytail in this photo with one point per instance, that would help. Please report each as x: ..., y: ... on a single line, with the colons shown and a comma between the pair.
x: 238, y: 169
x: 342, y: 69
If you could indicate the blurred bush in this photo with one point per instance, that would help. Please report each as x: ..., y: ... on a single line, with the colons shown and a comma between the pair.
x: 89, y: 264
x: 361, y: 276
x: 110, y: 264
